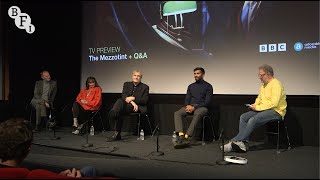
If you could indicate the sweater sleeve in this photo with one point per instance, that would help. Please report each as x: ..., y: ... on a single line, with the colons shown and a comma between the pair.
x: 258, y: 99
x: 36, y: 91
x: 125, y: 91
x: 188, y: 97
x: 81, y: 95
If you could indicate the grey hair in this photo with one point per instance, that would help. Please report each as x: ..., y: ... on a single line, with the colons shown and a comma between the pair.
x: 267, y: 69
x: 138, y: 71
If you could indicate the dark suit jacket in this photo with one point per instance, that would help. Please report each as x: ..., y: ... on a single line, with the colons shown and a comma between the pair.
x: 141, y: 94
x: 37, y: 94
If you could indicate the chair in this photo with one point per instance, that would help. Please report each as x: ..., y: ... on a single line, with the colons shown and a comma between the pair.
x: 204, y: 118
x: 207, y: 117
x: 139, y: 121
x: 278, y: 132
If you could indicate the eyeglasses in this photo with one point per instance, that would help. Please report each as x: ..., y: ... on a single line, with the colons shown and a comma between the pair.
x: 261, y: 75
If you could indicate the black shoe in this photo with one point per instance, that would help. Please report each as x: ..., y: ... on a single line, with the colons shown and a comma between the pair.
x: 77, y: 129
x: 181, y: 143
x: 115, y: 137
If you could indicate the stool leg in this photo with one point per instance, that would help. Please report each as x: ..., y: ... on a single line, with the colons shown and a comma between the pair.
x: 103, y: 130
x: 278, y: 152
x: 289, y: 145
x: 203, y: 121
x: 139, y: 127
x: 214, y: 137
x: 149, y: 124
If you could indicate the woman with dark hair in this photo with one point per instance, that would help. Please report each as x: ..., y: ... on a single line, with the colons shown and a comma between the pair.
x: 89, y: 99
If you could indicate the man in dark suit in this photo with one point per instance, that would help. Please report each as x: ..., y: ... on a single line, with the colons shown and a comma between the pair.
x: 45, y: 91
x: 135, y: 95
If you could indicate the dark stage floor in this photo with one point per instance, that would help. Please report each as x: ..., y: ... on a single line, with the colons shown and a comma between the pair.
x: 132, y: 158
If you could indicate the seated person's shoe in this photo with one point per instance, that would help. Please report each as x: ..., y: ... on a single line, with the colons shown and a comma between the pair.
x: 80, y: 127
x: 227, y: 147
x: 74, y: 128
x: 181, y: 143
x: 187, y: 141
x: 239, y: 146
x: 115, y: 137
x: 76, y: 131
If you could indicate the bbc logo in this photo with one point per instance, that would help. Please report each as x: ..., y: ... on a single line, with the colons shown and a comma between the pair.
x: 273, y: 47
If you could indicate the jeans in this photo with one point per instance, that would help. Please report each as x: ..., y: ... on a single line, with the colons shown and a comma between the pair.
x: 88, y: 171
x: 253, y: 119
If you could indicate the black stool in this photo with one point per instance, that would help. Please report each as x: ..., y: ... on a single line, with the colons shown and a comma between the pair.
x: 139, y: 121
x: 278, y: 132
x: 204, y: 118
x: 92, y: 116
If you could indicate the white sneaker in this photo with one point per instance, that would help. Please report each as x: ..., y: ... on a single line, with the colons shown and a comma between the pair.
x: 239, y: 146
x: 227, y: 147
x: 79, y: 127
x: 76, y: 131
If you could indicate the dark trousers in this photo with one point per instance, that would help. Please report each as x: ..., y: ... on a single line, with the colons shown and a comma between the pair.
x: 120, y: 107
x: 41, y: 110
x: 78, y: 112
x: 197, y: 116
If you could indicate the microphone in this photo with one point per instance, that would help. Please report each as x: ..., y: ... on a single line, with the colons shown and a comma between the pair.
x: 222, y: 161
x: 157, y: 153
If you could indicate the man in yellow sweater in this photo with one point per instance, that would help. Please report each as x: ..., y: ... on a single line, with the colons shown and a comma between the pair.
x: 270, y: 105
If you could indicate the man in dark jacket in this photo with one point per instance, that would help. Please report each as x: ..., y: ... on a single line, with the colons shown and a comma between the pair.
x: 45, y: 91
x: 135, y: 95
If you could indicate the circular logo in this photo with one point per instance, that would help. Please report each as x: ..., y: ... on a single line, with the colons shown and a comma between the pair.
x: 14, y: 11
x: 298, y: 46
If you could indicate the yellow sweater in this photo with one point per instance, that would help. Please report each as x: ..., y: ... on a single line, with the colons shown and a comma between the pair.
x: 272, y: 96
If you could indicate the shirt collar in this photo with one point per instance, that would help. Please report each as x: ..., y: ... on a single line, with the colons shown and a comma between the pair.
x: 136, y: 85
x: 200, y: 82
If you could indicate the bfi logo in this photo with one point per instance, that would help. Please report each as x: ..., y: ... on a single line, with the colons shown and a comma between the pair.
x: 22, y: 20
x: 273, y: 47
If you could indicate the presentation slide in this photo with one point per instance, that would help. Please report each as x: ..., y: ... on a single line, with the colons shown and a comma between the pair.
x: 166, y: 40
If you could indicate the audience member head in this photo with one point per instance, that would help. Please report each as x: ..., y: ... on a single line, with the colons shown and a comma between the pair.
x: 15, y: 141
